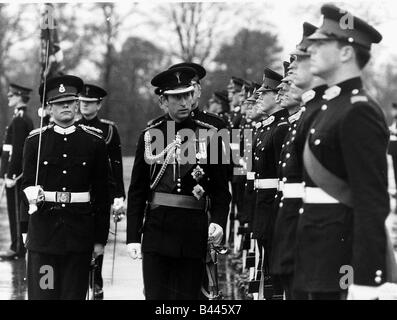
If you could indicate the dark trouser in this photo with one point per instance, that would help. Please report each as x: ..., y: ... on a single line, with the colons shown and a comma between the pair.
x: 13, y: 198
x: 167, y: 278
x: 286, y: 284
x: 327, y: 295
x: 58, y: 277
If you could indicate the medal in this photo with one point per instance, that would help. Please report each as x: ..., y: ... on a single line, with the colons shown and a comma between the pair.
x: 198, y: 191
x: 197, y: 173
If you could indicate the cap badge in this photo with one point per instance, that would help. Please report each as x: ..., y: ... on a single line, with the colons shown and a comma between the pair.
x: 61, y: 88
x: 177, y: 75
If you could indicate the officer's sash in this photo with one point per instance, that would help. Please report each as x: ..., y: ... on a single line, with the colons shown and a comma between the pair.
x: 169, y: 177
x: 325, y: 179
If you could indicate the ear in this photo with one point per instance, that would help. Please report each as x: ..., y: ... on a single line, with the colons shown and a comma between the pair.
x: 346, y: 54
x: 99, y: 105
x: 163, y: 100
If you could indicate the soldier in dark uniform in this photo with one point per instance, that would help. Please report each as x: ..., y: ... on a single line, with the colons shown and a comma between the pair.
x: 68, y: 222
x: 90, y: 103
x: 168, y: 200
x: 267, y: 148
x: 393, y: 142
x: 11, y: 164
x: 290, y: 165
x: 341, y: 231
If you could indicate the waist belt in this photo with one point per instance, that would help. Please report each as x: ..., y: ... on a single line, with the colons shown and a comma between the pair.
x: 66, y: 197
x: 317, y: 195
x: 7, y: 147
x: 178, y: 201
x: 266, y: 184
x: 293, y: 190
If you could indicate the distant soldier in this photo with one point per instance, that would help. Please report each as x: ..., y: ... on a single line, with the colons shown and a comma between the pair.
x: 168, y: 199
x: 341, y: 229
x: 69, y: 221
x: 90, y: 103
x: 267, y: 148
x: 11, y: 164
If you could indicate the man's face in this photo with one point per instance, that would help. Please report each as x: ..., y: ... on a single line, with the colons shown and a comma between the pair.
x: 251, y: 111
x: 13, y: 100
x: 235, y: 99
x: 266, y: 102
x: 89, y: 109
x: 64, y: 112
x: 179, y: 105
x: 289, y: 97
x: 301, y: 75
x: 324, y: 57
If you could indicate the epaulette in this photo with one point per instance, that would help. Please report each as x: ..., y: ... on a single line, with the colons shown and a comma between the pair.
x: 213, y: 115
x: 268, y: 121
x: 107, y: 122
x: 204, y: 124
x: 355, y: 99
x: 94, y: 131
x: 236, y: 109
x: 37, y: 131
x: 282, y: 123
x: 154, y: 125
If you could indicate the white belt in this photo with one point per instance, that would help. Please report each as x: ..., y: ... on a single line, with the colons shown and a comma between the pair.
x: 66, y: 197
x: 293, y: 190
x: 266, y: 184
x: 250, y: 175
x: 7, y: 147
x: 235, y: 146
x: 317, y: 195
x: 280, y: 185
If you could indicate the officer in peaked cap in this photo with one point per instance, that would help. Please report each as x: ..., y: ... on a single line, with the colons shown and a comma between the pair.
x: 167, y: 200
x: 68, y: 221
x: 91, y: 98
x: 346, y: 199
x: 197, y: 113
x: 11, y: 164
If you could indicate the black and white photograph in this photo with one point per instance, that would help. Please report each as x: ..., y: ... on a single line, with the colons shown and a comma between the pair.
x: 211, y: 153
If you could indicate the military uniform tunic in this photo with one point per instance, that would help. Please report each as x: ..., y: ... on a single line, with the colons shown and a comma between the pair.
x: 348, y: 140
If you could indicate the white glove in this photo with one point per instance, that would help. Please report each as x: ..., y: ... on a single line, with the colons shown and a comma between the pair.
x: 134, y: 250
x: 387, y: 291
x: 118, y: 209
x: 357, y: 292
x: 35, y: 195
x: 24, y: 236
x: 10, y: 182
x: 215, y: 234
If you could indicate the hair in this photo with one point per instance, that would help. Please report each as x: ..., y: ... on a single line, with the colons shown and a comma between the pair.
x: 363, y: 55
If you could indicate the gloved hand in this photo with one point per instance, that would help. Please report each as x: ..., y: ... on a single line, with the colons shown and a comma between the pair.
x: 118, y: 209
x: 35, y: 195
x: 134, y: 250
x: 24, y: 236
x: 387, y: 291
x: 99, y: 250
x: 215, y: 234
x: 358, y: 292
x: 10, y: 182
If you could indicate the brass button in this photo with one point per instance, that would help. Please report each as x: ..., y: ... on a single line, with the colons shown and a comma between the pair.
x: 45, y: 163
x: 317, y: 142
x: 64, y: 172
x: 324, y: 107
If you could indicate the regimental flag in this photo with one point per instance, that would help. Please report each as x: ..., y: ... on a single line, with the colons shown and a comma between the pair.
x: 49, y: 34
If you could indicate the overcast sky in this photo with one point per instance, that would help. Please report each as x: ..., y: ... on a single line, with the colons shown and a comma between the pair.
x: 282, y: 17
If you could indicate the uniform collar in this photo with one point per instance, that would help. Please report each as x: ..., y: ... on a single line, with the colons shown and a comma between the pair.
x: 295, y: 117
x: 280, y: 115
x: 308, y: 96
x: 91, y: 121
x: 64, y: 131
x: 342, y: 87
x: 19, y: 111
